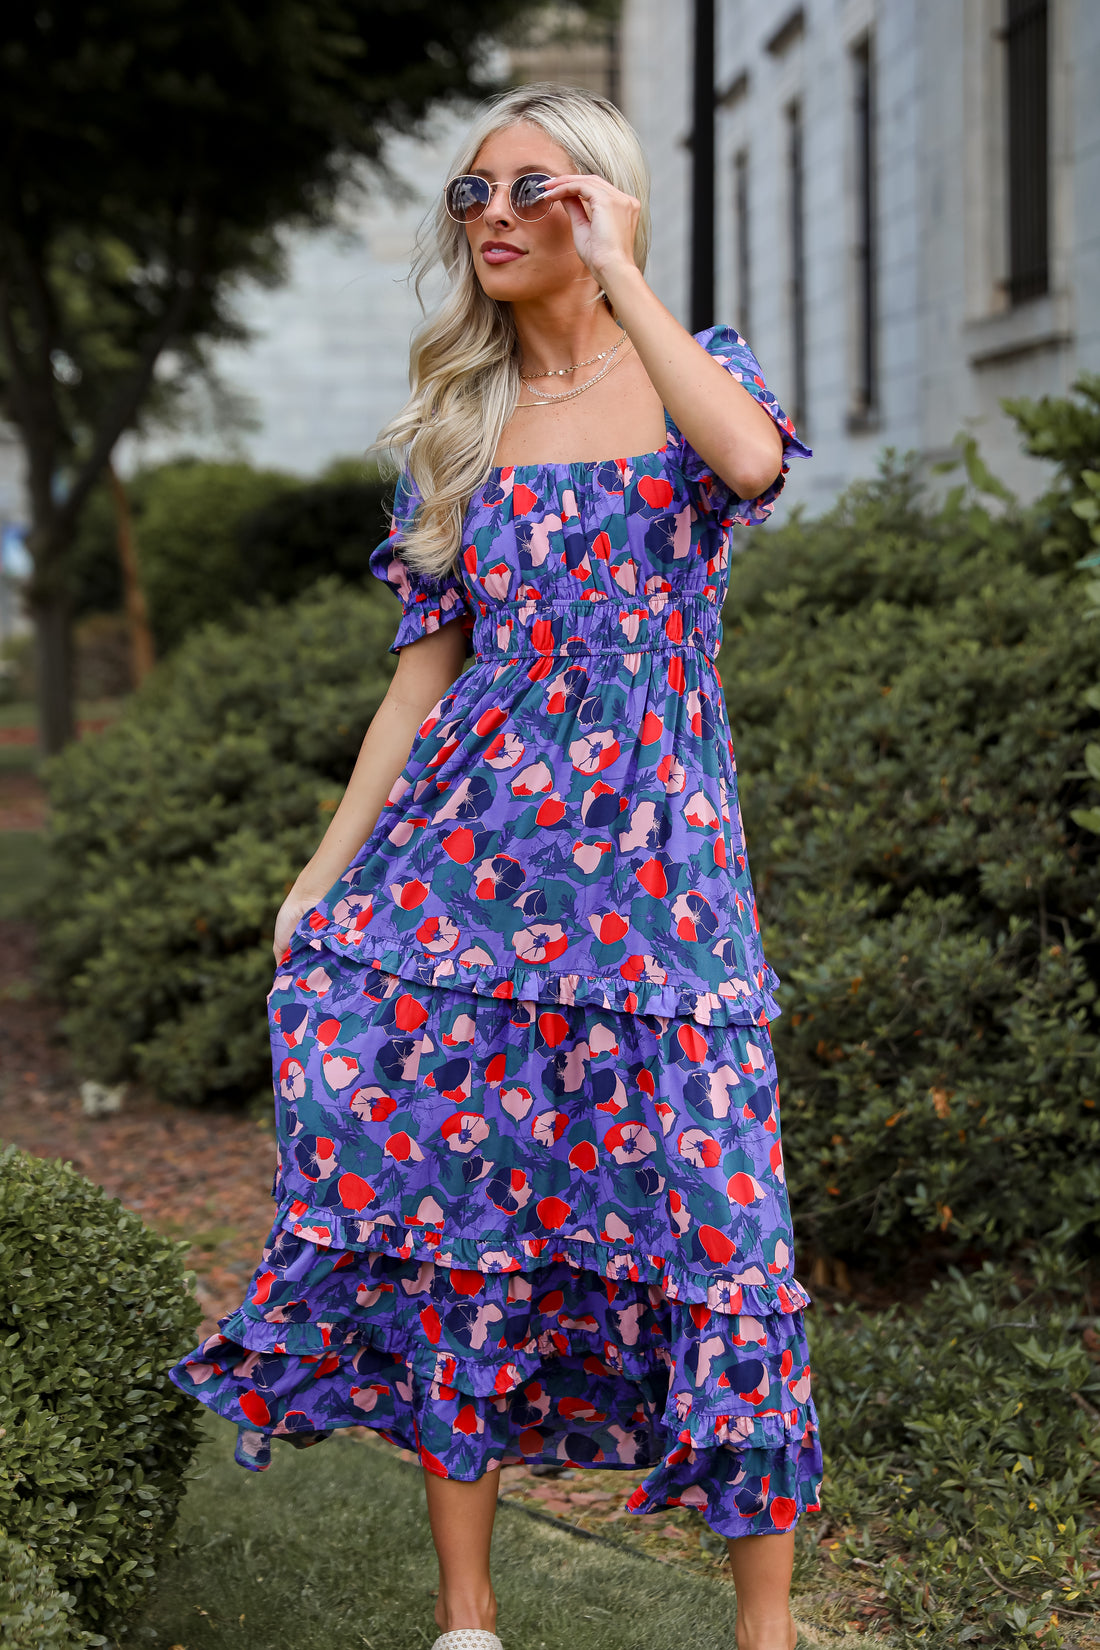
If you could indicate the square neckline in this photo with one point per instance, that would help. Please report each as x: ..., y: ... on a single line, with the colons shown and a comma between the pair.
x: 672, y: 435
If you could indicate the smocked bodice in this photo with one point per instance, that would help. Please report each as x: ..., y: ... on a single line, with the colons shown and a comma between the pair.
x: 567, y: 827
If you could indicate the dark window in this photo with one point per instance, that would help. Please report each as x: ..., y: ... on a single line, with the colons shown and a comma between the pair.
x: 741, y: 230
x: 1025, y: 36
x: 797, y: 259
x: 866, y: 386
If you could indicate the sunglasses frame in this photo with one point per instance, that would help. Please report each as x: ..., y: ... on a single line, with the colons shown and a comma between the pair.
x: 522, y: 215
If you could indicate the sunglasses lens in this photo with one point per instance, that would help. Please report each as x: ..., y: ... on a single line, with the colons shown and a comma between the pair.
x: 526, y: 196
x: 466, y: 198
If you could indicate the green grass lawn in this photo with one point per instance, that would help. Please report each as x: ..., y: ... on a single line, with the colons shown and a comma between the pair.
x: 18, y: 758
x: 21, y: 713
x: 330, y: 1550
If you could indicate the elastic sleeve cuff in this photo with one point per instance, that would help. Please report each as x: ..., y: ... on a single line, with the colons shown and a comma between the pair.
x: 730, y: 350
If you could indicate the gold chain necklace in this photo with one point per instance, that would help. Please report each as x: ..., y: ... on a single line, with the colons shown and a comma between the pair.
x: 567, y: 395
x: 560, y: 372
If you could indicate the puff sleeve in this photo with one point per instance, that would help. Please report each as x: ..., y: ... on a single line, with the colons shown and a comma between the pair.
x: 427, y: 602
x: 730, y: 350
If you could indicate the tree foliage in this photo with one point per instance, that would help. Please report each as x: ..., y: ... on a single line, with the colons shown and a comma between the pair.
x: 152, y: 154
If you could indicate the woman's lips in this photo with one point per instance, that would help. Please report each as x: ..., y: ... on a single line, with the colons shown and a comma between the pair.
x: 499, y: 252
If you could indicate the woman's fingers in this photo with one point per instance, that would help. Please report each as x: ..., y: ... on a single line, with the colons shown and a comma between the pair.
x: 589, y: 189
x: 603, y: 218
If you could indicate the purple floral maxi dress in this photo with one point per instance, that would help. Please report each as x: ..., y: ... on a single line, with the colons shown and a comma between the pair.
x: 530, y: 1194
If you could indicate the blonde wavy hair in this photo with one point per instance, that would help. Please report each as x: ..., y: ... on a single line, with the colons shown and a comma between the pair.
x: 464, y: 361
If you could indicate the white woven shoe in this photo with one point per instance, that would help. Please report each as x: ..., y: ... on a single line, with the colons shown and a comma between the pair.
x: 468, y: 1638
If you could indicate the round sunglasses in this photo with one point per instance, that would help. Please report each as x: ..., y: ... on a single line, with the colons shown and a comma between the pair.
x: 467, y: 198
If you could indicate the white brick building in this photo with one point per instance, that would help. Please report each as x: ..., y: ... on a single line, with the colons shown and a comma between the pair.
x: 874, y: 261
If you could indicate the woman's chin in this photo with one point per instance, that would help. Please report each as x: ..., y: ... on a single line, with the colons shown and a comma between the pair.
x: 507, y: 286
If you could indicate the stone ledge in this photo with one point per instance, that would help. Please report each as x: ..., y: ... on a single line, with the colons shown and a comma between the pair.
x: 1041, y: 323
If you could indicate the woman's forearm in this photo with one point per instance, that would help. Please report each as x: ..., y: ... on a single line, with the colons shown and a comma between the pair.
x: 721, y: 420
x: 425, y: 670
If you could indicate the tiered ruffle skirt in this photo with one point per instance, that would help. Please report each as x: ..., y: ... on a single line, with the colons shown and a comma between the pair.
x: 508, y: 1231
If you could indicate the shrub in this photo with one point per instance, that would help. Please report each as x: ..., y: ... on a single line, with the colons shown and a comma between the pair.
x: 176, y: 833
x: 212, y: 537
x: 961, y: 1452
x: 33, y: 1614
x: 906, y: 692
x: 93, y: 1312
x: 327, y: 529
x: 187, y: 514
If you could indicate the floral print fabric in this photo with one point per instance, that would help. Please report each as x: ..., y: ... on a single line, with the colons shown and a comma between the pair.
x: 567, y: 828
x: 530, y: 1186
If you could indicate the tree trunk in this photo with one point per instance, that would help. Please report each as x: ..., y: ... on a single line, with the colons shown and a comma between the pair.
x: 53, y: 671
x: 142, y: 656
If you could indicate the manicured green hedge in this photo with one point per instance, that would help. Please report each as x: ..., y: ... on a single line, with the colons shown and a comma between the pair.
x: 34, y: 1615
x: 94, y: 1308
x: 907, y: 695
x: 187, y: 515
x: 176, y: 833
x: 212, y: 538
x: 961, y: 1455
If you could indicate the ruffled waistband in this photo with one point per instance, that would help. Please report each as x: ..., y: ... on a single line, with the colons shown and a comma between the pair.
x: 750, y: 1292
x: 641, y: 986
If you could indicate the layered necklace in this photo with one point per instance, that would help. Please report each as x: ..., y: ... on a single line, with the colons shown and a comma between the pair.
x: 607, y: 356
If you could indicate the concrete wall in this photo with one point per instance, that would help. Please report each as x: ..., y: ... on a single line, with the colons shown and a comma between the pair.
x: 327, y: 362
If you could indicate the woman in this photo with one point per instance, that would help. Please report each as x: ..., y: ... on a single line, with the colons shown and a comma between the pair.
x: 531, y: 1202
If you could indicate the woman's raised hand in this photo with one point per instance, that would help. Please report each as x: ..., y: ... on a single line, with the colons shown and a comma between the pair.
x: 604, y: 221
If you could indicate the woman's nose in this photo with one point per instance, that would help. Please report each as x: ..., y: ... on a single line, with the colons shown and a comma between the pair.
x: 503, y: 213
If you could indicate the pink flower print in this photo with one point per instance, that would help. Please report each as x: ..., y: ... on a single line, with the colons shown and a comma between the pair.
x: 498, y: 581
x: 540, y: 943
x: 588, y: 856
x: 538, y: 545
x: 616, y: 1230
x: 700, y: 812
x: 292, y: 1079
x: 699, y: 1148
x: 339, y: 1070
x: 535, y: 780
x: 629, y: 1142
x: 594, y: 752
x: 506, y: 751
x: 464, y: 1131
x: 625, y: 575
x: 516, y: 1100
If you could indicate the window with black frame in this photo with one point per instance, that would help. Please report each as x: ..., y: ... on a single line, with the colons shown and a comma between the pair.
x: 742, y: 253
x: 865, y: 397
x: 797, y: 258
x: 1026, y: 44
